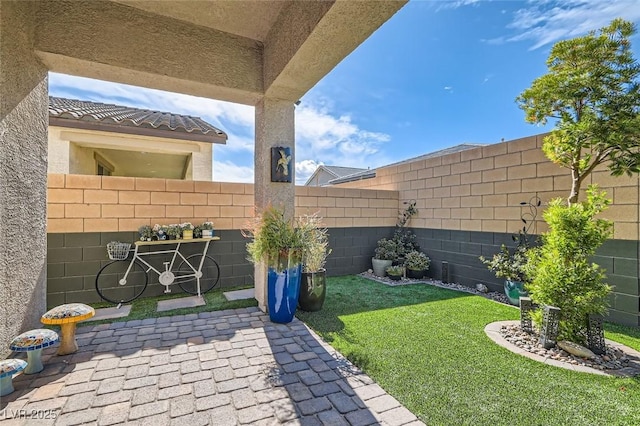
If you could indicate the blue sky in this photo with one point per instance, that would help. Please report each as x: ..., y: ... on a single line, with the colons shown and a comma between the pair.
x: 437, y: 74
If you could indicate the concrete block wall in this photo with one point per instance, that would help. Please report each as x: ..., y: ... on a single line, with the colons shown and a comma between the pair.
x: 469, y: 204
x: 74, y: 259
x: 481, y: 189
x: 82, y: 203
x: 87, y: 212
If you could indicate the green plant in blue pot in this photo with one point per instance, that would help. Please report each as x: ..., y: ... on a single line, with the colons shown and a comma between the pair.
x: 512, y: 267
x: 279, y: 244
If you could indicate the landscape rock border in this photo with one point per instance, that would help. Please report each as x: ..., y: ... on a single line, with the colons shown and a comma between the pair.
x: 495, y: 332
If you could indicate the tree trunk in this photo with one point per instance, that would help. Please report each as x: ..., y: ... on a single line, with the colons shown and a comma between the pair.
x: 576, y: 181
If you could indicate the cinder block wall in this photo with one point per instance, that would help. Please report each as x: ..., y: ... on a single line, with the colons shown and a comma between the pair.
x: 469, y: 204
x: 82, y: 203
x: 86, y: 212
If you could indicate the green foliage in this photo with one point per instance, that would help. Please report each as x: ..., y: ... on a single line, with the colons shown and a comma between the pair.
x: 405, y: 215
x: 395, y: 270
x: 405, y: 240
x: 508, y: 265
x: 275, y: 239
x: 417, y: 261
x: 560, y: 270
x: 427, y: 347
x: 315, y: 241
x: 386, y: 250
x: 145, y: 232
x: 593, y: 93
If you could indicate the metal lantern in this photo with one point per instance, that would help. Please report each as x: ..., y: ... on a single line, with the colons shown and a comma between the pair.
x: 550, y: 323
x: 526, y: 307
x: 595, y: 334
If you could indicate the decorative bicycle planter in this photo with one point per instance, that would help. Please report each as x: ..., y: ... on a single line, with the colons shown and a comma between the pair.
x: 127, y: 276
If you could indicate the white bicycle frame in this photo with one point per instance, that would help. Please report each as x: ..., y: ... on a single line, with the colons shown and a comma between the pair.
x: 167, y: 277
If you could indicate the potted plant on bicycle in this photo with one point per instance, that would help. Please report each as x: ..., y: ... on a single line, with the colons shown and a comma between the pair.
x: 207, y: 229
x: 145, y: 233
x: 187, y: 231
x: 174, y: 232
x: 315, y: 249
x: 417, y: 264
x: 277, y: 243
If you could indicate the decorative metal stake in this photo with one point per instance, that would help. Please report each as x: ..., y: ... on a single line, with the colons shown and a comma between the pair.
x: 549, y: 332
x: 445, y: 272
x: 526, y: 307
x: 595, y: 334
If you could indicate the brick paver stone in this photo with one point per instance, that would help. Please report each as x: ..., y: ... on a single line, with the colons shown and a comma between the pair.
x: 146, y: 410
x: 114, y: 414
x: 213, y: 368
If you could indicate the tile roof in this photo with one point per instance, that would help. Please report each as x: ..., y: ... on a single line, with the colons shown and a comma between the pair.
x: 124, y: 119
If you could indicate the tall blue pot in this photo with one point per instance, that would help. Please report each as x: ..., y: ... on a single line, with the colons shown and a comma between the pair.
x: 283, y: 291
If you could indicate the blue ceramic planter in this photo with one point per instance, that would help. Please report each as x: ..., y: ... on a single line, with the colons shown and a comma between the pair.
x: 283, y: 291
x: 514, y: 290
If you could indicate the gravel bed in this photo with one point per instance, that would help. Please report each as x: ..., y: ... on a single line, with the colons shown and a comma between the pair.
x: 493, y: 295
x: 613, y: 359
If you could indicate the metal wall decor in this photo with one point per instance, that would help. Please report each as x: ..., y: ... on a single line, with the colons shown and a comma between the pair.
x: 595, y: 334
x: 526, y: 307
x: 281, y: 164
x: 550, y: 323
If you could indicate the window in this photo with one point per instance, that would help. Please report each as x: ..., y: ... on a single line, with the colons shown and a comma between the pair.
x: 103, y: 167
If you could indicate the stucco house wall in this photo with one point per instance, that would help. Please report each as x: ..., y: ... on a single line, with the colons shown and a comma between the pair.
x: 68, y: 153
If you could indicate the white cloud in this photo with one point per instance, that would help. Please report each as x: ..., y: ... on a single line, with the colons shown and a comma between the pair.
x: 448, y: 89
x: 227, y: 171
x: 323, y: 136
x: 304, y: 169
x: 545, y: 22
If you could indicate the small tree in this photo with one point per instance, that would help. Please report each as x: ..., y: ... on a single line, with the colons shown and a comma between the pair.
x: 592, y: 90
x: 561, y: 272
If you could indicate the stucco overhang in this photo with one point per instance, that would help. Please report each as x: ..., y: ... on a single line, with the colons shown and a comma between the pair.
x: 236, y: 51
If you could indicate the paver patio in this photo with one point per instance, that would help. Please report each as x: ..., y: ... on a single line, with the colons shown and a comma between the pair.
x: 220, y: 368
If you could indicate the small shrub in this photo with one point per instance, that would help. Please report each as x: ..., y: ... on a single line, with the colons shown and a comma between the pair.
x: 561, y: 272
x: 507, y: 265
x: 417, y: 261
x: 395, y: 270
x: 386, y: 250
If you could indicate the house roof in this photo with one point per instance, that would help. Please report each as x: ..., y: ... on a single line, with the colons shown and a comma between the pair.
x: 440, y: 153
x: 366, y: 173
x: 362, y: 174
x: 335, y: 171
x: 123, y: 119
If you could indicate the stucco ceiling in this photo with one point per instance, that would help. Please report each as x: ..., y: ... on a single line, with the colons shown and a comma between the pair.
x: 145, y: 164
x: 247, y: 18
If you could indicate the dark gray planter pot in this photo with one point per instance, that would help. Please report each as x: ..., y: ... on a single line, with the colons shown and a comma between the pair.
x: 416, y: 274
x: 313, y: 289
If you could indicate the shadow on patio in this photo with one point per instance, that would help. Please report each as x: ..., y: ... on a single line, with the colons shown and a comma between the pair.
x: 224, y: 367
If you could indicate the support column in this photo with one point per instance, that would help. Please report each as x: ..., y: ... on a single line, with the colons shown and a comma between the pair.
x: 274, y: 127
x: 23, y: 174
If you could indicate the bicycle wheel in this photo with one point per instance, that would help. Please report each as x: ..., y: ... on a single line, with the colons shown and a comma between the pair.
x: 109, y: 286
x: 210, y: 274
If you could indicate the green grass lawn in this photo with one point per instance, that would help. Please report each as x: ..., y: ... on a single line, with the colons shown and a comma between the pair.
x: 426, y: 347
x: 146, y: 307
